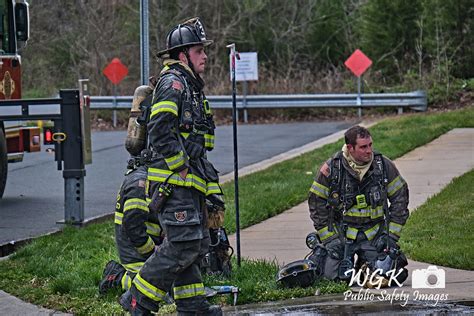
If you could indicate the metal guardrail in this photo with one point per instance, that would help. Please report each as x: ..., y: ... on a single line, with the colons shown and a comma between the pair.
x: 416, y: 100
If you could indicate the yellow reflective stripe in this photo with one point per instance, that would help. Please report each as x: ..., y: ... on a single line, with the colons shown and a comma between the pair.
x: 213, y: 188
x: 133, y: 267
x: 209, y: 141
x: 371, y: 232
x: 136, y: 203
x: 118, y: 218
x: 126, y: 281
x: 377, y: 212
x: 395, y: 228
x: 176, y: 161
x: 324, y: 233
x: 207, y: 107
x: 165, y: 68
x: 153, y: 229
x: 164, y: 106
x: 351, y: 233
x: 185, y: 135
x: 395, y: 185
x: 358, y: 212
x: 320, y: 190
x: 160, y: 175
x: 148, y: 290
x: 147, y: 247
x: 187, y: 291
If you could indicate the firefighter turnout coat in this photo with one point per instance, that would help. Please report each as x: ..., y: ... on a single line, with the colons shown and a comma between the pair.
x: 359, y: 203
x: 137, y: 231
x: 180, y: 132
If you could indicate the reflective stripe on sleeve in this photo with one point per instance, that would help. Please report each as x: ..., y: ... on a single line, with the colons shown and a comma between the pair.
x: 395, y: 185
x: 213, y: 188
x: 187, y: 291
x: 149, y: 290
x: 136, y: 203
x: 209, y: 141
x: 395, y: 228
x: 176, y: 161
x: 133, y: 267
x: 351, y: 233
x: 126, y: 281
x: 320, y: 190
x: 371, y: 232
x: 147, y: 247
x: 324, y: 233
x: 153, y: 229
x: 164, y: 106
x: 118, y: 218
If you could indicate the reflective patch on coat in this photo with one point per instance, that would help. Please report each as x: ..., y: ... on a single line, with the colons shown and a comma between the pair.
x: 180, y: 216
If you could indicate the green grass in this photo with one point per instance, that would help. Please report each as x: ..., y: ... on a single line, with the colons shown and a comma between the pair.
x: 440, y: 231
x: 62, y: 271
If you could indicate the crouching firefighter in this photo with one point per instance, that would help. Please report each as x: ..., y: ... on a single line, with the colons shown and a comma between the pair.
x: 349, y: 205
x: 180, y: 131
x: 137, y: 231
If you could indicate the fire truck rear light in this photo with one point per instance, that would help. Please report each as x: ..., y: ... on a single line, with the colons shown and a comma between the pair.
x: 48, y: 136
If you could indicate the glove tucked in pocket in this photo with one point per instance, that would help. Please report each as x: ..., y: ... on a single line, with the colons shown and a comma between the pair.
x: 182, y: 224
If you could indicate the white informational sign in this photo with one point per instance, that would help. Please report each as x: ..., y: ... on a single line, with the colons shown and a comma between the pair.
x: 246, y: 69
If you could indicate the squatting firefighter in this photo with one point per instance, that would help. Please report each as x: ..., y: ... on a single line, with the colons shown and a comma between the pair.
x: 137, y: 231
x: 180, y: 132
x: 358, y: 203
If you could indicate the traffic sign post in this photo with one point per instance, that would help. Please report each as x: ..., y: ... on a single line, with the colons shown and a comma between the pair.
x: 358, y: 63
x: 115, y: 71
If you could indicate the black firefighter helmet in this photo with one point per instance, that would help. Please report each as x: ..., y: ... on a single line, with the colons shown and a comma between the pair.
x: 300, y: 273
x: 189, y: 33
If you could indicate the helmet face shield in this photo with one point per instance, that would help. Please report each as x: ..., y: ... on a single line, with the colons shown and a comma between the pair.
x: 301, y: 273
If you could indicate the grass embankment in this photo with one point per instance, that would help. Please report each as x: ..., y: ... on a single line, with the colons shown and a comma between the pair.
x: 62, y: 271
x: 440, y: 231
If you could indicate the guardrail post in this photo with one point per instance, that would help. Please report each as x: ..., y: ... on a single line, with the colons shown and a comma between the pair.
x: 74, y: 171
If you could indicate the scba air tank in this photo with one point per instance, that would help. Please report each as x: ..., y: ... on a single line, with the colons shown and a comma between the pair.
x: 136, y: 132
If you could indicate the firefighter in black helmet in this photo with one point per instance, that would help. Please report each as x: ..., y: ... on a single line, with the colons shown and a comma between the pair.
x: 180, y: 131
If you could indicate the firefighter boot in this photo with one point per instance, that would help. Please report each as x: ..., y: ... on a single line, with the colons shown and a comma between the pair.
x: 111, y: 277
x: 129, y: 303
x: 213, y: 310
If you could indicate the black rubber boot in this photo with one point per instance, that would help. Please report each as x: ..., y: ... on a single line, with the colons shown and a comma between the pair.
x: 129, y: 303
x: 111, y: 277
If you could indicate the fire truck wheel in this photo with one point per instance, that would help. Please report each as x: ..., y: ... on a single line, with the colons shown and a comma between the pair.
x: 3, y: 162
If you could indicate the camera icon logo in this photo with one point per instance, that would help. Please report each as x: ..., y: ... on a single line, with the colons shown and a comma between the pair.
x: 429, y: 278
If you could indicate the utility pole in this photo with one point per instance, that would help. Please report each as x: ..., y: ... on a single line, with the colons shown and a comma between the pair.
x: 144, y: 42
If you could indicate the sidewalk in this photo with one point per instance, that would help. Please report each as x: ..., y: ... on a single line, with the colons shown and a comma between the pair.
x: 282, y: 238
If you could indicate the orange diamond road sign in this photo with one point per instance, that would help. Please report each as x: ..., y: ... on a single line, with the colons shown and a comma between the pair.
x: 358, y: 63
x: 115, y: 71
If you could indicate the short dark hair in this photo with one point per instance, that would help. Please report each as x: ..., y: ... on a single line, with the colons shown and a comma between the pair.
x: 350, y: 136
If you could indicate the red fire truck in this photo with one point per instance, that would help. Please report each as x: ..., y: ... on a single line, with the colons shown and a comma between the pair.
x: 15, y: 138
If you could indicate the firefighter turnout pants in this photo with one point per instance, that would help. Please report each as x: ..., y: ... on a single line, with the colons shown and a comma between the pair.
x: 174, y: 267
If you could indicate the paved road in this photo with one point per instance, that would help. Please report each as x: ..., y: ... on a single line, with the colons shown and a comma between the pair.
x: 33, y: 201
